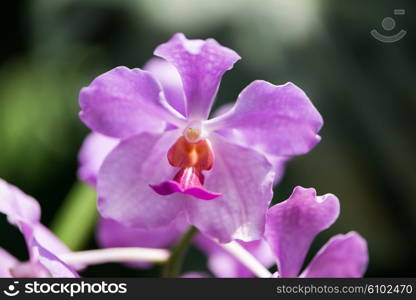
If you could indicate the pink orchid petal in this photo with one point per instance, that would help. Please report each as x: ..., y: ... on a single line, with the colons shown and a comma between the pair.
x: 93, y: 151
x: 51, y: 242
x: 195, y: 275
x: 18, y: 206
x: 292, y: 225
x: 344, y: 255
x: 113, y: 234
x: 24, y: 212
x: 37, y: 238
x: 278, y: 162
x: 170, y: 80
x: 222, y: 109
x: 7, y: 261
x: 124, y: 178
x: 279, y: 120
x: 124, y: 102
x: 201, y: 64
x: 29, y: 269
x: 51, y: 262
x: 279, y: 166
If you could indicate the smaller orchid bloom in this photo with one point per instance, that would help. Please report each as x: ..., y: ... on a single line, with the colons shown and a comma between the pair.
x: 292, y: 225
x: 171, y: 159
x: 43, y: 246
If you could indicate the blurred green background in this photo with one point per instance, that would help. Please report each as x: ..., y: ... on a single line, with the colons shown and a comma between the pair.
x: 364, y: 89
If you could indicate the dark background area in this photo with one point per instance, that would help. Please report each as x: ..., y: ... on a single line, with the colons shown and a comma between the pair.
x: 365, y: 90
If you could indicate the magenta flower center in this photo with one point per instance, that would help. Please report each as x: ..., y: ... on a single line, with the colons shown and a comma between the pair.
x: 191, y: 158
x: 191, y: 154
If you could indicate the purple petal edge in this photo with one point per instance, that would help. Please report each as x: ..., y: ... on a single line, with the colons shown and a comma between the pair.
x: 343, y: 256
x: 201, y: 65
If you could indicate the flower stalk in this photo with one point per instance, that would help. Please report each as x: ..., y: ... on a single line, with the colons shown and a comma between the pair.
x: 247, y: 259
x: 125, y: 254
x: 174, y: 264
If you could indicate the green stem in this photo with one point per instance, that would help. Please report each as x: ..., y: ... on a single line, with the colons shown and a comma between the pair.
x: 174, y: 265
x: 75, y: 221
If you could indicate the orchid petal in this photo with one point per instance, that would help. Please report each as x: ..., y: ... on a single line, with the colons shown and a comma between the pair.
x: 244, y: 178
x: 51, y: 242
x: 39, y: 254
x: 93, y: 151
x: 124, y: 178
x: 44, y: 236
x: 124, y: 102
x: 279, y: 120
x: 113, y: 234
x: 170, y: 80
x: 16, y: 205
x: 51, y: 262
x: 29, y: 269
x: 201, y: 64
x: 222, y: 109
x: 278, y: 162
x: 342, y: 256
x: 292, y: 225
x: 195, y: 275
x: 7, y: 261
x: 24, y: 212
x: 279, y: 166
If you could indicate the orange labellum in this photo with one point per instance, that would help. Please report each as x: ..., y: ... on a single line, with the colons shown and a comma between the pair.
x: 184, y: 154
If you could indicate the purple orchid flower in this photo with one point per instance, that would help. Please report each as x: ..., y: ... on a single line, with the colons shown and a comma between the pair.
x: 170, y: 159
x: 43, y: 246
x: 292, y: 225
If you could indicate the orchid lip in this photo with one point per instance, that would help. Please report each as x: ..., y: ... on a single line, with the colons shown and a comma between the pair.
x: 171, y: 186
x: 191, y: 155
